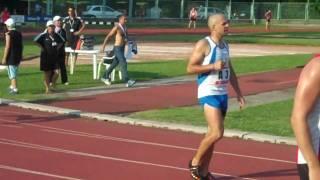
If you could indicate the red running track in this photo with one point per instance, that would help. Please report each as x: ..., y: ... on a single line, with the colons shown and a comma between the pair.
x: 165, y: 96
x: 40, y: 146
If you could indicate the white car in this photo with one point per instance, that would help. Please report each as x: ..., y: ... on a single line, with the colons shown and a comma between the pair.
x: 97, y: 11
x: 210, y: 10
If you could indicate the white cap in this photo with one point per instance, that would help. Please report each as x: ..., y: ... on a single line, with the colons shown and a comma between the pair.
x: 9, y: 22
x: 56, y: 18
x: 50, y: 23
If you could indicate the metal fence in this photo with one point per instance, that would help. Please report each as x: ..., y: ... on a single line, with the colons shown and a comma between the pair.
x: 178, y: 9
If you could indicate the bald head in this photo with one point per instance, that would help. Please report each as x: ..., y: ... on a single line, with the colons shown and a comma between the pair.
x: 213, y: 19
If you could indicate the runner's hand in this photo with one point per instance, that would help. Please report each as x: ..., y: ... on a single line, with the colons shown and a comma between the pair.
x: 241, y: 101
x: 218, y: 65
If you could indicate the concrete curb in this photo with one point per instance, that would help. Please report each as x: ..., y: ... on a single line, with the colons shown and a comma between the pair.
x: 148, y: 123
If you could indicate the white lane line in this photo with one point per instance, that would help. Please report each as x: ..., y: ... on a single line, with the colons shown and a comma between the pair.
x: 11, y: 168
x: 97, y: 136
x: 65, y: 151
x: 10, y: 126
x: 287, y: 82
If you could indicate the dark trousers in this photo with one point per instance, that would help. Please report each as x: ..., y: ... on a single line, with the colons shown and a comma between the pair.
x: 63, y: 70
x: 121, y: 60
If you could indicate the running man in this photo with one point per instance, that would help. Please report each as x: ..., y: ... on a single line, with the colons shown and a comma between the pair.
x: 210, y: 60
x: 193, y: 17
x: 268, y: 16
x: 305, y: 120
x: 120, y: 33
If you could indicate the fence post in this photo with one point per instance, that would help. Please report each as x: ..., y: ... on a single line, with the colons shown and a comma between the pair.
x: 279, y: 11
x: 181, y: 9
x: 229, y: 10
x: 306, y: 18
x: 252, y: 15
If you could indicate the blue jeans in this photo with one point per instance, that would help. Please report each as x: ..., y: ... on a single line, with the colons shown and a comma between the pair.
x: 119, y: 59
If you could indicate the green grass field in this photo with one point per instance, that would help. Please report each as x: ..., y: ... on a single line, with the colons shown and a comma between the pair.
x: 141, y: 72
x: 270, y: 118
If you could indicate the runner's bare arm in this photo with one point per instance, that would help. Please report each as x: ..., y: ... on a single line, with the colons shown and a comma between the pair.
x: 6, y: 49
x: 235, y: 84
x: 200, y: 50
x: 308, y: 91
x: 110, y: 34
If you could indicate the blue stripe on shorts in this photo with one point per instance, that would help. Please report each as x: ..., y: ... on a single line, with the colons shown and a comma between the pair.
x: 217, y: 101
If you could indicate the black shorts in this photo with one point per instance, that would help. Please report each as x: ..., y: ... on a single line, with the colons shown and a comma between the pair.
x: 193, y: 19
x: 303, y: 171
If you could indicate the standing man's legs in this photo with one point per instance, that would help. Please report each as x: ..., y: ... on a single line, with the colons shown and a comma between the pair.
x: 13, y: 72
x: 63, y: 70
x: 113, y: 65
x: 47, y: 77
x: 119, y: 53
x: 215, y: 132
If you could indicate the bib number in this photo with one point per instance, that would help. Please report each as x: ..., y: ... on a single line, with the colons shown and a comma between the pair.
x: 224, y: 74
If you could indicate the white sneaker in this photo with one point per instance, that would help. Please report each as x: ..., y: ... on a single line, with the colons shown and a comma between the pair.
x: 130, y: 83
x: 66, y: 83
x: 106, y: 81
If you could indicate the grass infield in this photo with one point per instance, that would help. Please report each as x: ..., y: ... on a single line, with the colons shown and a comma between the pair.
x: 30, y: 79
x: 270, y: 118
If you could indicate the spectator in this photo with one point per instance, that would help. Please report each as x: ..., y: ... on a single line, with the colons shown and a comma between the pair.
x: 12, y: 53
x: 57, y: 20
x: 4, y: 15
x: 268, y: 16
x: 120, y: 33
x: 50, y: 44
x: 73, y: 26
x: 193, y: 17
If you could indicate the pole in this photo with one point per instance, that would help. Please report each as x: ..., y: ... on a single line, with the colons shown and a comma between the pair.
x: 206, y: 9
x: 130, y: 8
x: 29, y: 4
x: 229, y: 10
x: 253, y: 18
x: 181, y: 9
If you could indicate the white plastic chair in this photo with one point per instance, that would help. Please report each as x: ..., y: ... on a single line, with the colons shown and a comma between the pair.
x: 107, y: 65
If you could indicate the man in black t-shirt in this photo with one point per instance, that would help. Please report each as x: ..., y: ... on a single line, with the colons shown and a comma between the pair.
x: 12, y: 55
x: 73, y: 26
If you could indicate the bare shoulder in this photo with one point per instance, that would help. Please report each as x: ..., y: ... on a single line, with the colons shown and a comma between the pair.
x: 310, y: 75
x: 312, y: 69
x: 202, y: 46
